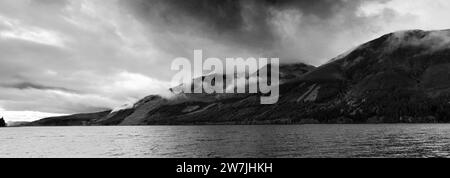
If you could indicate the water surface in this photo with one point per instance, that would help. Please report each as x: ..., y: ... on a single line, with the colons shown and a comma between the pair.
x: 427, y: 140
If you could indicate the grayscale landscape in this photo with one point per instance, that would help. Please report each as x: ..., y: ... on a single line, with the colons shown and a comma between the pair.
x: 353, y: 79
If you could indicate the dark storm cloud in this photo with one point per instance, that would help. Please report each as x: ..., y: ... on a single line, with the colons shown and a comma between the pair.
x: 229, y: 15
x: 218, y: 17
x: 30, y: 85
x: 249, y: 24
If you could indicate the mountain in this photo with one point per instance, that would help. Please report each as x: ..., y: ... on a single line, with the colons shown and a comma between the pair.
x: 401, y: 77
x: 71, y: 120
x: 16, y: 123
x: 154, y: 109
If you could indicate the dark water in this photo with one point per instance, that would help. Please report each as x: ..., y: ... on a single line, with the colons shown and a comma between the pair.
x: 430, y: 140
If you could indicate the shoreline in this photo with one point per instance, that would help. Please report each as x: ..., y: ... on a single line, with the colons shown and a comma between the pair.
x: 193, y: 125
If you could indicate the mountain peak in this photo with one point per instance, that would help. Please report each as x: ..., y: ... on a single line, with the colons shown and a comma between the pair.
x: 434, y: 40
x: 418, y: 41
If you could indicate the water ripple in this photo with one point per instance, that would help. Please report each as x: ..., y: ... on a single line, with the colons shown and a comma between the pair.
x: 427, y: 140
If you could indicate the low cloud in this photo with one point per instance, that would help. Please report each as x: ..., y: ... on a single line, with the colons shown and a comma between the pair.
x: 29, y: 85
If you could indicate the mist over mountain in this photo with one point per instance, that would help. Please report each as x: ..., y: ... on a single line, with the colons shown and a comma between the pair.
x: 401, y: 77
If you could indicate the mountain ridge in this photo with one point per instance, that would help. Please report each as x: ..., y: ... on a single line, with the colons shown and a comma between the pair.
x: 401, y: 77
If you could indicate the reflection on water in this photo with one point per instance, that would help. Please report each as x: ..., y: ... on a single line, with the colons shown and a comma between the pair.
x: 428, y: 140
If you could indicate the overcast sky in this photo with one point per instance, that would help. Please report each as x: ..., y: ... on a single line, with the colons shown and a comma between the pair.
x: 71, y: 56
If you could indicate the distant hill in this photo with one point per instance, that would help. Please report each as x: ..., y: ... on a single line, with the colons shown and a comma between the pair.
x: 71, y: 120
x: 16, y: 124
x: 401, y: 77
